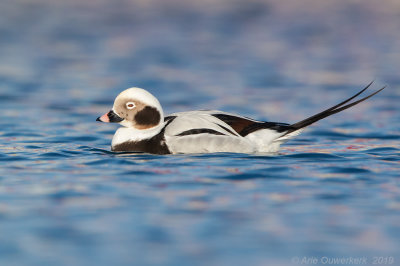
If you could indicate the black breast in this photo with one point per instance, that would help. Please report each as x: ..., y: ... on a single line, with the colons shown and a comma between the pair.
x: 154, y: 145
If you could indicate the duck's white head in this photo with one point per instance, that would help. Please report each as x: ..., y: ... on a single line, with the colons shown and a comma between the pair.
x: 135, y: 108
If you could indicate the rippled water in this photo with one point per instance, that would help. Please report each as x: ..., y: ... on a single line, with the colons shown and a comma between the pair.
x: 65, y: 199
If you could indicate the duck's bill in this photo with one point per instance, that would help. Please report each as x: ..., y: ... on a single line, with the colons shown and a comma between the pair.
x: 110, y: 117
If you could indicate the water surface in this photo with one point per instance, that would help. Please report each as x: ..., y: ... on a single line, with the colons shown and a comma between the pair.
x: 65, y: 199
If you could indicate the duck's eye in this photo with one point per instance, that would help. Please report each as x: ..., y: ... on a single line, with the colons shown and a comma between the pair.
x: 130, y: 105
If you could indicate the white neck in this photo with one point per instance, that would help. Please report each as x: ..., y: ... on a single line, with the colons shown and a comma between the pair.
x: 124, y: 134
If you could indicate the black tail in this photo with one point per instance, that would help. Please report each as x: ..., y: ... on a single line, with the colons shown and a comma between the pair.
x: 333, y: 110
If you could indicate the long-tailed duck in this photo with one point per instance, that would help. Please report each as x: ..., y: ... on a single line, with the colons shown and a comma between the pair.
x: 145, y: 129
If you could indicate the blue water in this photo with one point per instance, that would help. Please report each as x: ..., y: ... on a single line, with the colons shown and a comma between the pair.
x: 332, y: 192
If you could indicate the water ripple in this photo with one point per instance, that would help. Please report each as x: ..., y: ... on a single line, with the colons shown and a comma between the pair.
x: 315, y: 156
x: 66, y: 199
x: 346, y: 170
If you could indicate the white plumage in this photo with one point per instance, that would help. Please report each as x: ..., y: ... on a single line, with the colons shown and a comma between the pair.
x: 145, y: 129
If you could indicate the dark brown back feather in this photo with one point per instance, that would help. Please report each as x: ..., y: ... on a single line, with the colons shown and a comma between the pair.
x: 244, y: 126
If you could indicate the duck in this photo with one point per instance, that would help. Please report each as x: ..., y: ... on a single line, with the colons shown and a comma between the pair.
x: 145, y: 129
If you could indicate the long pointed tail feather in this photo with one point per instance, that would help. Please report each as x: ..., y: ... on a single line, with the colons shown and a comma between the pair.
x: 330, y: 111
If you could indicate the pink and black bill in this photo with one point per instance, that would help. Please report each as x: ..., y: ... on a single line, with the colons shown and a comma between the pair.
x: 110, y: 117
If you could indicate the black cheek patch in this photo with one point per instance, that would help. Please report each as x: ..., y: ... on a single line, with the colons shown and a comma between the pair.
x: 148, y: 116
